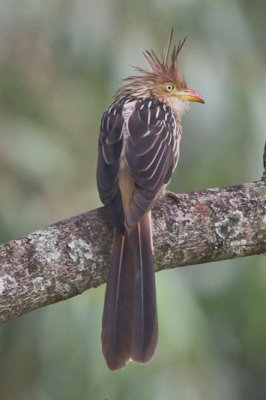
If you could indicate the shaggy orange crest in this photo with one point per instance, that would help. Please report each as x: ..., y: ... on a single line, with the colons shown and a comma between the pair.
x: 163, y: 83
x: 142, y: 85
x: 161, y: 72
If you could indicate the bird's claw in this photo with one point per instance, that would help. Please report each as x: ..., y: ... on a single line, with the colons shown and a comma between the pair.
x: 173, y: 196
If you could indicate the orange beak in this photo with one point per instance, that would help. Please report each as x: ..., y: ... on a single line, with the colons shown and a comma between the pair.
x: 191, y: 95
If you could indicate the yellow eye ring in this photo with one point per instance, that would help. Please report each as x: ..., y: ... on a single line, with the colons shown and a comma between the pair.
x: 169, y: 87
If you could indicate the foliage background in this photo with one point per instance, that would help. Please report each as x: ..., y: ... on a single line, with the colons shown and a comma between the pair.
x: 60, y: 63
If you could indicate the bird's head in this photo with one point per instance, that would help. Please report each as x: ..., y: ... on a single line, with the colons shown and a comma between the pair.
x: 163, y: 83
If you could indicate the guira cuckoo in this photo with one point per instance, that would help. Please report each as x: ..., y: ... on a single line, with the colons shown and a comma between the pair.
x: 138, y: 152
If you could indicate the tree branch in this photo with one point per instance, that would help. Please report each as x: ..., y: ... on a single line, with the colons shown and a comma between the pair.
x: 64, y: 259
x: 264, y: 163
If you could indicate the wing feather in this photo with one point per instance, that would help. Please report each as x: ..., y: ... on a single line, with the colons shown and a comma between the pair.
x: 109, y: 154
x: 151, y: 153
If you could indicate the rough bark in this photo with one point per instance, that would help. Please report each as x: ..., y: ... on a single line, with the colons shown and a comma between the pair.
x: 64, y: 259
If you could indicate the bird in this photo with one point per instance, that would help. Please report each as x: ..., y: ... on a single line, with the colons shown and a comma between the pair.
x: 138, y: 151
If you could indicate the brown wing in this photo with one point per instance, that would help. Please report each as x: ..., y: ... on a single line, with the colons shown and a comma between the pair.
x: 152, y: 154
x: 109, y: 153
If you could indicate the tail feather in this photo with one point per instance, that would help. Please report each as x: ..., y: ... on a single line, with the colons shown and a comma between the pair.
x: 130, y: 328
x: 145, y: 325
x: 118, y: 312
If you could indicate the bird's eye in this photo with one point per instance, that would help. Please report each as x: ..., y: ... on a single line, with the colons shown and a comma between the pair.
x: 169, y: 87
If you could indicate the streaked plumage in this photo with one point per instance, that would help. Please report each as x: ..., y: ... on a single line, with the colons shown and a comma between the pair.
x: 138, y: 152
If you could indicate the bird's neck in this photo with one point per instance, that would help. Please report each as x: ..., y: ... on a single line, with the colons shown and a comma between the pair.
x: 138, y: 92
x: 179, y: 107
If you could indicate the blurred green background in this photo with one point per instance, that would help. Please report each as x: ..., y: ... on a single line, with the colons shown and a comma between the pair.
x: 60, y: 64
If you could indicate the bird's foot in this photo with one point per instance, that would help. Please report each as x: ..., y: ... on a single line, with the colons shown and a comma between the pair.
x: 172, y: 196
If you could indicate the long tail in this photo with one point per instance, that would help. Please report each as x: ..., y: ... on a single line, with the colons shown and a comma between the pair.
x: 130, y: 327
